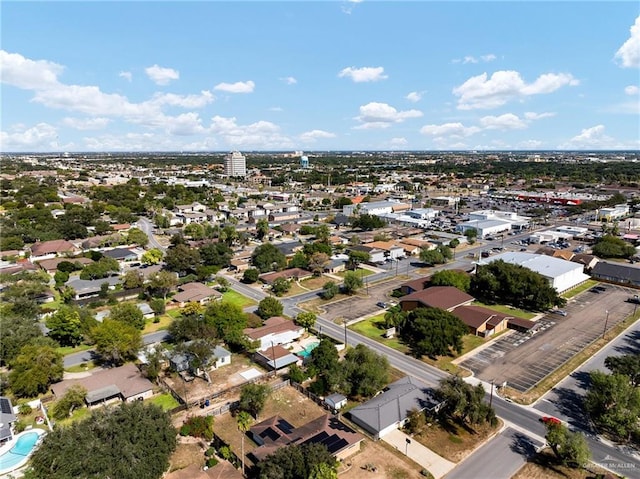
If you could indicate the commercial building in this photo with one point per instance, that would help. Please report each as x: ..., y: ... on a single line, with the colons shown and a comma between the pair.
x: 614, y: 213
x: 235, y: 164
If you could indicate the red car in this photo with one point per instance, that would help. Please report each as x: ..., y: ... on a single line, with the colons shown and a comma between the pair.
x: 550, y: 420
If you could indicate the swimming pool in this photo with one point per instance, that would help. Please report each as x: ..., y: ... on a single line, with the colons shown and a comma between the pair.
x: 20, y: 452
x: 306, y: 352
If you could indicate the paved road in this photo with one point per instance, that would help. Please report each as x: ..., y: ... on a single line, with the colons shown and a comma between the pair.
x: 147, y: 227
x: 88, y: 355
x: 499, y: 458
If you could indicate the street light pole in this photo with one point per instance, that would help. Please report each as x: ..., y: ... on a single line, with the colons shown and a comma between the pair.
x: 406, y: 447
x: 605, y: 325
x: 491, y: 395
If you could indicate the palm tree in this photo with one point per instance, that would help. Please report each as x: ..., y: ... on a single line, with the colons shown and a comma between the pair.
x: 243, y: 420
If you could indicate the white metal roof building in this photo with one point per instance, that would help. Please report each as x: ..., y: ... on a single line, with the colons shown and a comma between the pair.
x: 561, y: 274
x: 485, y: 227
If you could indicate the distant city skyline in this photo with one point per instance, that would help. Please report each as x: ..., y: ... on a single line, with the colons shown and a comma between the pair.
x: 319, y: 76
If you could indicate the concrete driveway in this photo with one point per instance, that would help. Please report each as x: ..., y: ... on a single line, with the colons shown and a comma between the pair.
x: 436, y: 465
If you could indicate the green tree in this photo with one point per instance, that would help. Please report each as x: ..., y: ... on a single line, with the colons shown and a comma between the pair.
x: 463, y: 402
x: 181, y: 259
x: 158, y: 306
x: 262, y: 228
x: 127, y: 313
x: 352, y: 282
x: 299, y: 260
x: 132, y: 279
x: 323, y: 471
x: 116, y: 341
x: 216, y: 254
x: 267, y: 257
x: 329, y: 290
x: 472, y: 235
x: 570, y: 448
x: 432, y: 332
x: 250, y: 275
x: 16, y: 332
x: 269, y: 307
x: 161, y: 283
x: 144, y: 431
x: 306, y: 319
x: 450, y: 277
x: 367, y: 222
x: 324, y: 364
x: 627, y: 365
x: 229, y: 321
x: 613, y: 404
x: 356, y: 257
x: 65, y: 326
x: 280, y: 286
x: 73, y: 398
x: 152, y: 256
x: 253, y: 398
x: 296, y: 462
x: 102, y: 268
x: 223, y: 284
x: 365, y: 372
x: 317, y: 263
x: 34, y: 369
x: 609, y: 246
x: 137, y: 236
x: 394, y: 317
x: 416, y: 421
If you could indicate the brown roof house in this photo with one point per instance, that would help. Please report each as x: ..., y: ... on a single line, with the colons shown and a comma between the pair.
x: 276, y: 330
x: 124, y: 383
x: 51, y: 249
x: 195, y: 292
x: 443, y: 297
x: 482, y: 321
x: 276, y: 357
x: 275, y: 432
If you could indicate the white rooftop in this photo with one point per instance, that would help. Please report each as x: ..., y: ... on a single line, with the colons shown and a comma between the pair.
x: 547, y: 266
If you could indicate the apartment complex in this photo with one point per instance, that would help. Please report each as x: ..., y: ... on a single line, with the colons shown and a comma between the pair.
x: 235, y: 164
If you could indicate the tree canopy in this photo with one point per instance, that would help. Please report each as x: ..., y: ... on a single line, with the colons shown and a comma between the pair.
x: 506, y: 283
x: 132, y: 441
x: 450, y: 277
x: 432, y: 332
x: 609, y: 246
x: 116, y: 341
x: 267, y: 257
x: 463, y: 402
x: 296, y: 462
x: 34, y: 369
x: 269, y: 307
x: 364, y: 372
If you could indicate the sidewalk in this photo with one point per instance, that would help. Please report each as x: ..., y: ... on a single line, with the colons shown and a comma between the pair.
x: 435, y: 464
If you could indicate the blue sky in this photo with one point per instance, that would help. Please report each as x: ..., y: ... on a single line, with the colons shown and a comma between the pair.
x: 330, y: 75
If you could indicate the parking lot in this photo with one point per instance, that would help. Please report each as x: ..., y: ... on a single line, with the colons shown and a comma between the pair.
x: 523, y: 360
x: 362, y: 304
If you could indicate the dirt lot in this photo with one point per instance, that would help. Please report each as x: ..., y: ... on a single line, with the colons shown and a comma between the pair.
x: 543, y: 466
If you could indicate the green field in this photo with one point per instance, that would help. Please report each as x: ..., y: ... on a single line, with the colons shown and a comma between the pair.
x: 588, y: 284
x: 166, y: 401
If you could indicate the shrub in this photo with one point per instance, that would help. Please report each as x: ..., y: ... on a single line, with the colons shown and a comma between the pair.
x: 212, y: 461
x: 210, y: 452
x: 24, y: 409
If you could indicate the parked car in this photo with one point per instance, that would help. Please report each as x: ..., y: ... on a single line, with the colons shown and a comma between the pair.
x: 594, y: 290
x: 381, y: 304
x: 600, y: 288
x: 550, y: 420
x: 561, y: 312
x: 634, y: 299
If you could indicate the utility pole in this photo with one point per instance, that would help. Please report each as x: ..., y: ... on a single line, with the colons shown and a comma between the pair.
x: 491, y: 395
x: 605, y: 325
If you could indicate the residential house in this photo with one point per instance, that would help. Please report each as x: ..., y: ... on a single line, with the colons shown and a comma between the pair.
x: 195, y: 292
x: 125, y: 257
x: 289, y: 248
x: 50, y: 249
x: 390, y: 409
x: 390, y: 248
x: 415, y: 285
x: 335, y: 265
x: 376, y: 256
x: 275, y: 432
x: 102, y: 241
x: 89, y: 288
x: 443, y: 297
x: 7, y: 419
x: 51, y: 265
x: 335, y: 401
x: 587, y: 260
x: 125, y: 383
x: 180, y: 362
x: 276, y: 357
x: 276, y: 330
x: 292, y: 273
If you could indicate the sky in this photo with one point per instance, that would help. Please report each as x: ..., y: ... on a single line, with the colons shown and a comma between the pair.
x: 104, y: 76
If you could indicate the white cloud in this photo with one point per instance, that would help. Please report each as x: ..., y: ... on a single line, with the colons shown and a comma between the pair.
x: 508, y: 121
x: 593, y: 137
x: 160, y: 75
x: 628, y: 55
x: 185, y: 125
x: 86, y: 123
x: 398, y: 142
x: 126, y: 75
x: 471, y: 59
x: 414, y: 96
x: 530, y: 115
x: 350, y: 5
x: 483, y: 92
x: 237, y: 87
x: 530, y: 144
x: 455, y: 130
x: 276, y: 108
x: 41, y: 137
x: 313, y: 135
x: 185, y: 101
x: 260, y: 135
x: 382, y: 115
x: 27, y: 74
x: 632, y: 90
x: 364, y: 74
x: 289, y: 80
x: 488, y: 58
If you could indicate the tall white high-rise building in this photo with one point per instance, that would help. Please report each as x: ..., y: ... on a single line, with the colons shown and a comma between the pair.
x: 235, y: 164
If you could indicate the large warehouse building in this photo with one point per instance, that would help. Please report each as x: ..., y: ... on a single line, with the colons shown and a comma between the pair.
x: 562, y: 275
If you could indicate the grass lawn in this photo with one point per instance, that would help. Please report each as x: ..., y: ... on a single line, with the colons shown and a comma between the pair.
x: 77, y: 415
x: 361, y: 272
x: 500, y: 308
x: 64, y: 350
x: 588, y: 284
x: 374, y: 328
x: 238, y: 299
x: 315, y: 282
x: 453, y: 441
x: 151, y: 327
x: 82, y: 367
x: 166, y: 401
x: 173, y: 313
